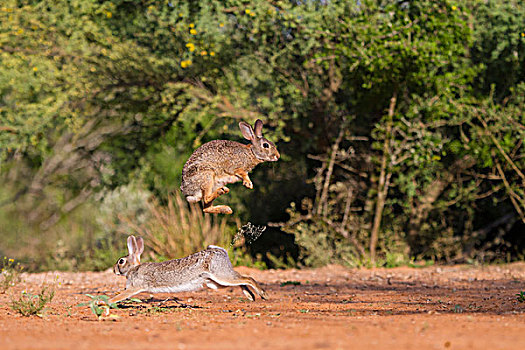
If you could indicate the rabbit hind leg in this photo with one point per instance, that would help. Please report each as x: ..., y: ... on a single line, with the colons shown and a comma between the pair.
x: 248, y: 293
x: 239, y: 280
x: 218, y: 209
x: 214, y: 285
x: 208, y: 196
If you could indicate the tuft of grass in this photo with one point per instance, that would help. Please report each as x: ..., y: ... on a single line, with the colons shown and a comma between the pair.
x: 29, y: 304
x: 180, y: 229
x: 99, y: 306
x: 521, y: 296
x: 10, y: 274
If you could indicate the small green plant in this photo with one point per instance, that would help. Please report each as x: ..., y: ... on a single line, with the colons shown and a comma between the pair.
x: 458, y: 309
x: 155, y: 310
x: 30, y: 304
x: 521, y: 296
x: 293, y: 283
x: 132, y: 300
x: 99, y: 306
x: 68, y: 311
x: 10, y: 274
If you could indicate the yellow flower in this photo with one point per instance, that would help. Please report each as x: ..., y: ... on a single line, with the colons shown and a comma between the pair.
x: 11, y: 260
x: 523, y: 35
x: 109, y: 14
x: 180, y: 14
x: 151, y: 7
x: 35, y: 69
x: 193, y: 31
x: 185, y: 63
x: 247, y: 11
x: 192, y: 25
x: 190, y: 47
x: 454, y: 8
x: 221, y: 25
x: 204, y: 53
x: 212, y: 53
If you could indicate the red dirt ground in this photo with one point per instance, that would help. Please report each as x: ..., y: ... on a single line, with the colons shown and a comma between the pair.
x: 459, y: 307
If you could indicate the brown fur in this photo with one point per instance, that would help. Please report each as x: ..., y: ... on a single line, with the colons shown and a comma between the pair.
x: 218, y: 163
x: 208, y: 268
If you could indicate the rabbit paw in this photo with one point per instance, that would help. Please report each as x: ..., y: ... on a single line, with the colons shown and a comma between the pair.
x: 223, y: 190
x: 248, y: 184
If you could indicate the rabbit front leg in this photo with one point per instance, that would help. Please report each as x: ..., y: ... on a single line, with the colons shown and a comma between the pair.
x: 128, y: 293
x: 243, y: 175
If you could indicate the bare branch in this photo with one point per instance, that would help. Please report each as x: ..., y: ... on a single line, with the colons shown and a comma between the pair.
x: 384, y: 181
x: 328, y: 176
x: 512, y: 195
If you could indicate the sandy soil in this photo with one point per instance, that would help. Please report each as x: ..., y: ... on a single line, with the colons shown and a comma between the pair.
x: 460, y: 307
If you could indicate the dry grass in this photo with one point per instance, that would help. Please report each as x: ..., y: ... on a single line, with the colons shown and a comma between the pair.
x: 180, y: 229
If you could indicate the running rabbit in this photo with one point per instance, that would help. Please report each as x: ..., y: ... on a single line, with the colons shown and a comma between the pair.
x: 210, y: 267
x: 221, y: 162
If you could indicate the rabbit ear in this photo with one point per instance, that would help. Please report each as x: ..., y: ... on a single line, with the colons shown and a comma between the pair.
x: 247, y: 131
x: 140, y: 246
x: 258, y: 128
x: 132, y: 245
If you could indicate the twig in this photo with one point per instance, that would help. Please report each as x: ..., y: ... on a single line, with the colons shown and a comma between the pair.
x: 512, y: 194
x: 500, y: 149
x: 328, y: 176
x: 8, y: 129
x: 349, y: 199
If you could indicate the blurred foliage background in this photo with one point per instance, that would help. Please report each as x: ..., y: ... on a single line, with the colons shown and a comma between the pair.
x: 400, y: 124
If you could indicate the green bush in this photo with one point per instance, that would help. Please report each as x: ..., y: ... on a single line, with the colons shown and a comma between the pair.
x: 399, y: 122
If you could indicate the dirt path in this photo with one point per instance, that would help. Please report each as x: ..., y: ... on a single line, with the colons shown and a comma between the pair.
x: 459, y: 307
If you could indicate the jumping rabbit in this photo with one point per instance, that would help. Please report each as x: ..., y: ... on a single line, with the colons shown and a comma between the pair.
x: 208, y: 268
x: 221, y: 162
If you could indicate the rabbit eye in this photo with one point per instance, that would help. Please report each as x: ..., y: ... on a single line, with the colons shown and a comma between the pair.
x: 121, y: 261
x: 266, y: 145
